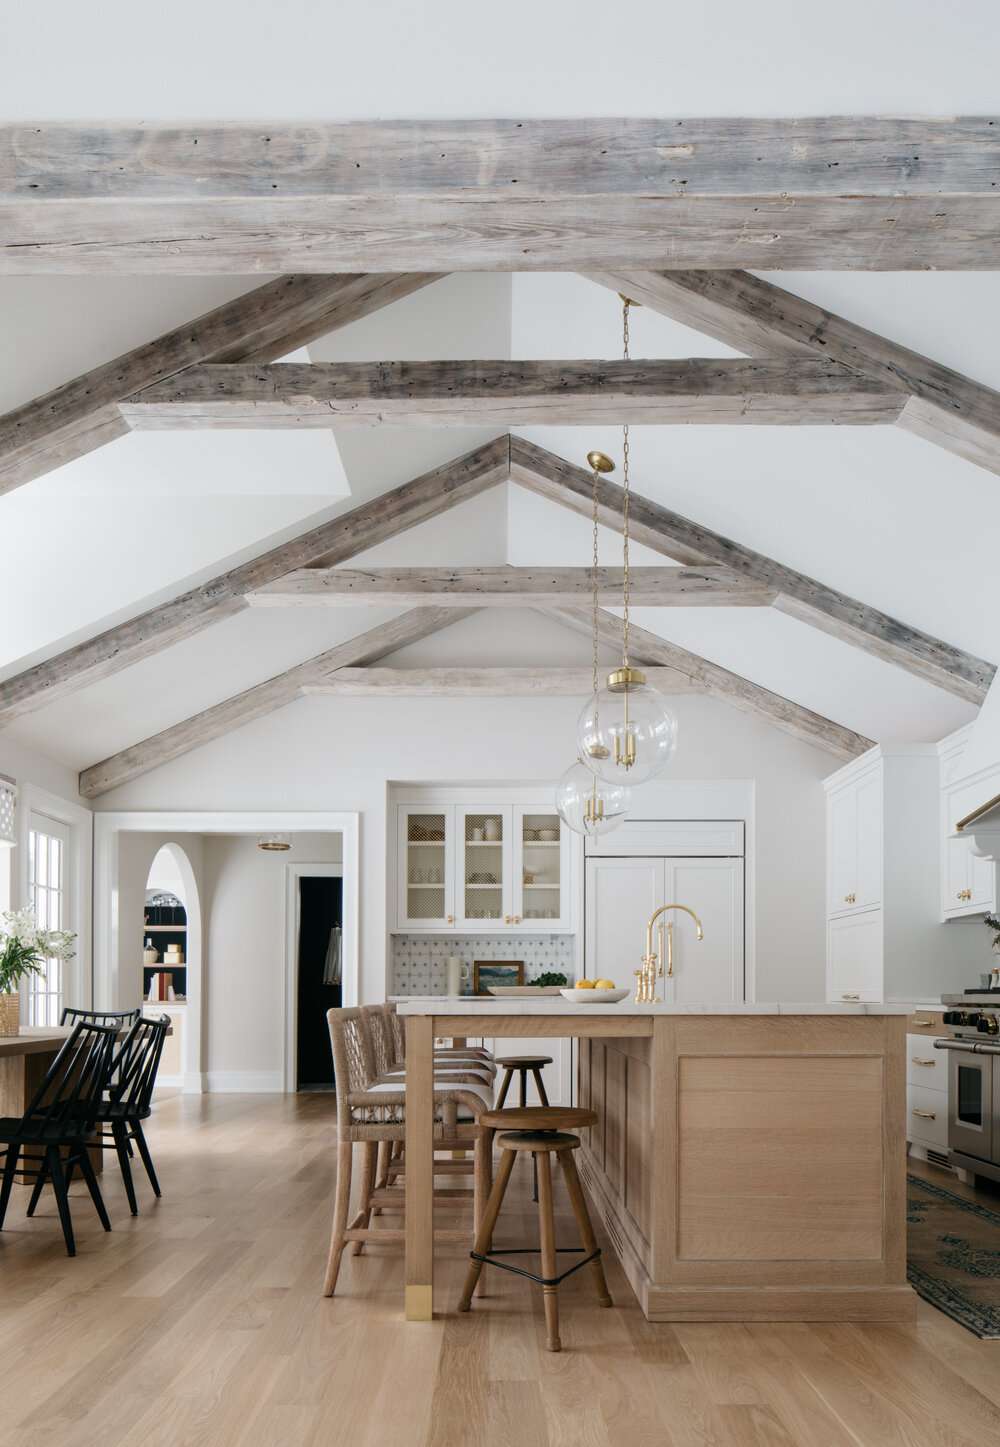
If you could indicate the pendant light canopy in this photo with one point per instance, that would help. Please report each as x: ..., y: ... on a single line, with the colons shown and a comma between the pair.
x: 589, y: 806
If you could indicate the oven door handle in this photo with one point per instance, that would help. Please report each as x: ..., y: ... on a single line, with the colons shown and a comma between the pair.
x: 969, y: 1047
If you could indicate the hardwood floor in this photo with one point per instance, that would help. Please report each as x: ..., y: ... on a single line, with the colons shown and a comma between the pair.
x: 202, y: 1322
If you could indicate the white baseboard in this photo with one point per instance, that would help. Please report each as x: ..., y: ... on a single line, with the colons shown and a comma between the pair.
x: 245, y: 1082
x: 168, y: 1081
x: 193, y: 1083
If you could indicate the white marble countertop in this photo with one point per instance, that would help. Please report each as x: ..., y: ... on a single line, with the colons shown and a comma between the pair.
x: 476, y: 1005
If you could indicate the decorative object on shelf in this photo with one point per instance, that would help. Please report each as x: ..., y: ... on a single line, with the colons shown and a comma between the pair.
x: 496, y: 972
x: 150, y: 954
x: 548, y: 836
x: 587, y: 804
x: 8, y: 803
x: 491, y: 830
x: 477, y: 835
x: 173, y: 955
x: 527, y: 877
x: 24, y: 951
x: 274, y: 843
x: 458, y: 975
x: 481, y: 877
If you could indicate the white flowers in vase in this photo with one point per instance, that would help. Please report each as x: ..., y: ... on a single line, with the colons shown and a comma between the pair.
x: 25, y: 946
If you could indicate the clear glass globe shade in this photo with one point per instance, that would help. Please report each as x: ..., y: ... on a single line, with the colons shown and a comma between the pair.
x: 589, y: 806
x: 626, y: 737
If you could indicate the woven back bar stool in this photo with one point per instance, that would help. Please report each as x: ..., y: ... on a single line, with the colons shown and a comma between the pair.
x: 545, y: 1132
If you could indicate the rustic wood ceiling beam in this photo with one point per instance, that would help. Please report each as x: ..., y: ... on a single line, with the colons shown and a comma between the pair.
x: 332, y: 542
x: 762, y: 319
x: 802, y: 597
x: 711, y: 678
x: 509, y: 587
x: 83, y: 414
x: 263, y: 698
x: 871, y: 193
x: 518, y: 393
x: 479, y: 682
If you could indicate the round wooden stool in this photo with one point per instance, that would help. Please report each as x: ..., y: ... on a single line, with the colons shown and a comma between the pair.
x: 537, y: 1129
x: 523, y: 1066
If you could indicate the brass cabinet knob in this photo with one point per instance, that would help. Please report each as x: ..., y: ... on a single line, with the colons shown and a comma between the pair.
x: 850, y: 899
x: 964, y: 894
x: 451, y: 919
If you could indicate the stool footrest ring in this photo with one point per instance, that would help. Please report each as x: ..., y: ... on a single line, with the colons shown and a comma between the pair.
x: 488, y: 1258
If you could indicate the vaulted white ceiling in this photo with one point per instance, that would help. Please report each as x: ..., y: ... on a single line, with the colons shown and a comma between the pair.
x: 874, y: 512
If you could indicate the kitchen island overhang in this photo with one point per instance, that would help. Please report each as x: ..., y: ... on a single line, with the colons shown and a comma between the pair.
x: 749, y: 1161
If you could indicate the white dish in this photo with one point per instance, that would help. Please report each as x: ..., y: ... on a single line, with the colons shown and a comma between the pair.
x: 524, y: 992
x: 594, y: 997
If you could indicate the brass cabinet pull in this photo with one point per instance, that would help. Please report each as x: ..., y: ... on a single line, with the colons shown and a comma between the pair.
x: 925, y: 1024
x: 917, y: 1061
x: 850, y: 997
x: 925, y: 1114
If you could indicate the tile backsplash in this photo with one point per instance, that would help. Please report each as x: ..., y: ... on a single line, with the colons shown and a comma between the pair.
x: 418, y: 961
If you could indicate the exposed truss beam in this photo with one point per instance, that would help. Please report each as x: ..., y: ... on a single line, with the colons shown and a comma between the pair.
x: 269, y: 322
x: 802, y: 597
x: 476, y: 682
x: 332, y: 542
x: 264, y: 698
x: 484, y: 394
x: 757, y: 317
x: 876, y: 193
x: 509, y: 587
x: 711, y: 678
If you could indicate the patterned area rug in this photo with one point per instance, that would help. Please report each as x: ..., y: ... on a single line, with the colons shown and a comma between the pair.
x: 954, y: 1255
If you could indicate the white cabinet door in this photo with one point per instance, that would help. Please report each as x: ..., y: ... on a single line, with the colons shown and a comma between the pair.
x: 968, y: 883
x: 540, y: 871
x: 483, y: 859
x: 854, y: 957
x: 425, y: 867
x: 708, y: 970
x: 868, y: 886
x: 842, y: 849
x: 621, y: 894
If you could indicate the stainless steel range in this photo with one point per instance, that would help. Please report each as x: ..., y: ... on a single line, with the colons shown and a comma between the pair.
x: 973, y: 1081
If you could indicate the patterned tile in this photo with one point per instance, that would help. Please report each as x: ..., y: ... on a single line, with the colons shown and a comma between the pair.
x: 418, y: 961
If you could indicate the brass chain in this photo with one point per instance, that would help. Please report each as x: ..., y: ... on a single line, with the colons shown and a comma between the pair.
x: 625, y: 502
x: 593, y: 578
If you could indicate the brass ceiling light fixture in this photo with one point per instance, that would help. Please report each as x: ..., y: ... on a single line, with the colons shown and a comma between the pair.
x: 274, y: 843
x: 586, y: 804
x: 625, y: 734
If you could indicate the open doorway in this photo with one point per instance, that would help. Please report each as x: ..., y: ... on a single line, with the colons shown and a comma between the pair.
x: 319, y: 969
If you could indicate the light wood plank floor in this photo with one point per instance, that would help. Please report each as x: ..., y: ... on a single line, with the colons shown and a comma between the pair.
x: 202, y: 1323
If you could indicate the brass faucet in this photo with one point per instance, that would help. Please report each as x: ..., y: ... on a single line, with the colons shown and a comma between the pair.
x: 652, y: 964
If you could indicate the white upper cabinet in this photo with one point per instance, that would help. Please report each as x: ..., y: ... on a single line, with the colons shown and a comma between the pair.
x: 854, y: 844
x: 968, y: 883
x: 480, y: 866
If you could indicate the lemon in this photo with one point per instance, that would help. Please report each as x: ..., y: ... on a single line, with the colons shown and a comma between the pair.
x: 584, y: 984
x: 605, y: 985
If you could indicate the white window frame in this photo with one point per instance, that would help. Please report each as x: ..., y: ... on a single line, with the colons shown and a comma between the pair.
x: 33, y: 800
x: 43, y: 996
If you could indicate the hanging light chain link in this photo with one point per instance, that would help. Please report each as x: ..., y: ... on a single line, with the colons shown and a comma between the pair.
x: 625, y: 501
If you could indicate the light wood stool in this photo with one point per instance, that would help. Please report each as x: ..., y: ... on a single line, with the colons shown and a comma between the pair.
x: 537, y: 1129
x: 523, y: 1066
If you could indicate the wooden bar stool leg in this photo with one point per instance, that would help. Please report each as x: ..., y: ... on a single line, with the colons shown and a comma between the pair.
x: 587, y: 1237
x: 522, y: 1076
x: 539, y: 1084
x: 547, y: 1233
x: 484, y: 1236
x: 381, y: 1171
x: 370, y: 1160
x: 345, y: 1156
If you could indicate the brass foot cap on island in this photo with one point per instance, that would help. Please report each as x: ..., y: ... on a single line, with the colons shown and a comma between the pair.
x: 419, y: 1303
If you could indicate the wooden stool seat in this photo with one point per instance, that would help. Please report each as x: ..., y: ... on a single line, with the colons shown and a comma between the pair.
x: 522, y: 1062
x: 538, y: 1117
x: 536, y: 1129
x: 537, y: 1140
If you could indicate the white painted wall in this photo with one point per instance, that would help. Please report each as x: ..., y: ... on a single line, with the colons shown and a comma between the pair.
x: 323, y: 753
x: 244, y: 902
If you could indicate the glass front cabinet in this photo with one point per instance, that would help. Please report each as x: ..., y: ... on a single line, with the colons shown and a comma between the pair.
x: 482, y: 867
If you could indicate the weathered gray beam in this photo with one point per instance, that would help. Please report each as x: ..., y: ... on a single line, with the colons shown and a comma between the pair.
x: 497, y: 393
x: 711, y: 678
x: 264, y: 698
x: 330, y: 543
x: 509, y: 587
x: 269, y: 322
x: 800, y: 596
x: 762, y: 319
x: 479, y: 682
x: 876, y: 193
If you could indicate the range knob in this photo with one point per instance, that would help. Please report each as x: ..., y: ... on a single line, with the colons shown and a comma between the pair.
x: 988, y: 1025
x: 953, y: 1017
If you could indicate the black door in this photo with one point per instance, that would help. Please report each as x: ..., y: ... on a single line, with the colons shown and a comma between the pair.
x: 319, y: 913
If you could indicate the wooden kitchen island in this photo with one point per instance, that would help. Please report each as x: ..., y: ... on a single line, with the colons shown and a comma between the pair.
x: 748, y: 1164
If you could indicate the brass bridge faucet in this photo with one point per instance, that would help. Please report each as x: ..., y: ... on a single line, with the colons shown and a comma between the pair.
x: 652, y: 965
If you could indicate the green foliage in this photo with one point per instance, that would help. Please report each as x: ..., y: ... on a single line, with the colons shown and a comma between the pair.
x: 552, y: 977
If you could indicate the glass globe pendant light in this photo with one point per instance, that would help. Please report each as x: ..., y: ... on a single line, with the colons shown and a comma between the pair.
x: 626, y: 733
x: 589, y: 806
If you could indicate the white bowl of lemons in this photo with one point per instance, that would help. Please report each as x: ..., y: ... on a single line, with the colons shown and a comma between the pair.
x: 594, y: 992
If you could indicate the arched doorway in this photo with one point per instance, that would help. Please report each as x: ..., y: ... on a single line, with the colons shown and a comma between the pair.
x: 172, y: 917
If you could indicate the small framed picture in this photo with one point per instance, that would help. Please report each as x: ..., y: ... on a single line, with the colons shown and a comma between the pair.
x: 496, y: 972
